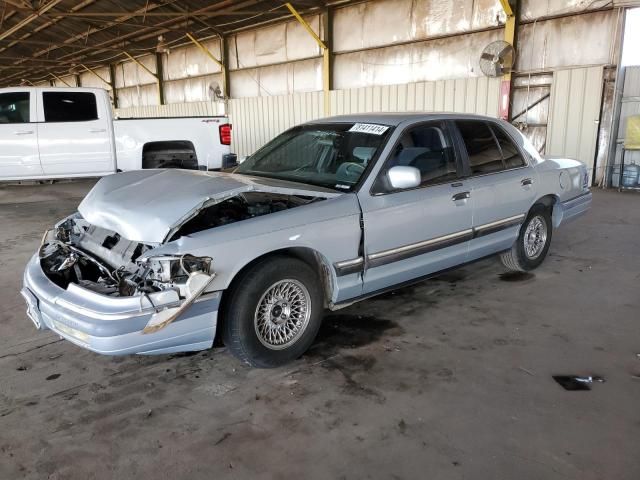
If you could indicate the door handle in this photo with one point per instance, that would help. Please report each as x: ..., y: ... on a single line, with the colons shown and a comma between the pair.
x: 526, y: 181
x: 97, y: 130
x: 23, y: 132
x: 461, y: 196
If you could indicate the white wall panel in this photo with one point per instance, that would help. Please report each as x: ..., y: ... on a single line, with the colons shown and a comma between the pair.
x: 88, y: 79
x: 384, y: 22
x: 65, y: 81
x: 138, y: 96
x: 455, y: 57
x: 130, y: 74
x: 564, y: 42
x: 281, y: 79
x: 532, y: 9
x: 190, y: 61
x: 274, y: 44
x: 574, y: 113
x: 190, y: 89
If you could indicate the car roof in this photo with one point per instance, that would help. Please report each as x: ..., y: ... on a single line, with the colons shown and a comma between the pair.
x: 396, y: 118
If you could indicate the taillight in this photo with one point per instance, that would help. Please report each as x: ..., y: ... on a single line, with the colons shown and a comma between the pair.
x: 225, y: 134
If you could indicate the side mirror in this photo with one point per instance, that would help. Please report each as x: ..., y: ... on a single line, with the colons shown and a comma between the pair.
x: 402, y: 178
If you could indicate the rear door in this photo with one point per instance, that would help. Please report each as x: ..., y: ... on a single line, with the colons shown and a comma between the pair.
x: 502, y: 185
x: 74, y: 134
x: 18, y: 135
x: 412, y: 233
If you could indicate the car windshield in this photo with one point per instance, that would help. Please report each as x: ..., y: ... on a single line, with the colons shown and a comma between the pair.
x: 328, y: 155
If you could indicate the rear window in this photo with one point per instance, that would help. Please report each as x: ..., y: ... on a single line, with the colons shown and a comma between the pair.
x: 69, y: 106
x: 14, y: 107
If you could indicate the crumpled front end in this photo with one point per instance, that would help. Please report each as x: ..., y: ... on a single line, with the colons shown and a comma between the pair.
x: 113, y: 296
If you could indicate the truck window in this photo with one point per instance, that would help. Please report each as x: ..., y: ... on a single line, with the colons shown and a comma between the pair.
x: 14, y: 107
x: 484, y: 153
x: 69, y: 106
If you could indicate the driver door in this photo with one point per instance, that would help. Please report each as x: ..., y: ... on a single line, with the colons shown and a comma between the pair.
x: 415, y: 232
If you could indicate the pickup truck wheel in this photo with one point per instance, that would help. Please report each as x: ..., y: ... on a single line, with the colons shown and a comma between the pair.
x: 533, y: 241
x: 274, y: 312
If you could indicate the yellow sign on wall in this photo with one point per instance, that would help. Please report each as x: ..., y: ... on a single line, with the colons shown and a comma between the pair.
x: 632, y: 136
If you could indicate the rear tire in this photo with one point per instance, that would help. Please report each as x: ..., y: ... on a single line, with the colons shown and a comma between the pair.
x: 273, y: 312
x: 533, y: 242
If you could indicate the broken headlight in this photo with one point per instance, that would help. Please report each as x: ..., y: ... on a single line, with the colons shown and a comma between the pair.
x: 176, y: 271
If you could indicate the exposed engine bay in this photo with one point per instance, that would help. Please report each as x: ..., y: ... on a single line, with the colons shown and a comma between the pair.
x: 102, y: 261
x: 240, y: 207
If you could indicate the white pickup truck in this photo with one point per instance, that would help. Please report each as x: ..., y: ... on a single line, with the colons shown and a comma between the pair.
x: 70, y: 132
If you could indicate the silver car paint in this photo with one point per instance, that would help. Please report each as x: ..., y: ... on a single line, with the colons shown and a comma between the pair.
x: 147, y: 205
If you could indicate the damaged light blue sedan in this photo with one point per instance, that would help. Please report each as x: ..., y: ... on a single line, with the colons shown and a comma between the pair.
x: 326, y: 214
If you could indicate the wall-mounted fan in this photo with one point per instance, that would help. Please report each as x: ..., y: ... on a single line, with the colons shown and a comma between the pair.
x: 497, y: 58
x: 215, y: 92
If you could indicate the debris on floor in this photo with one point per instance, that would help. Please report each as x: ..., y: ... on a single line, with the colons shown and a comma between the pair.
x: 576, y: 382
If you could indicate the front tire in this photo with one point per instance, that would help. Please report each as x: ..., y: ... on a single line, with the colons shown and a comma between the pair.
x: 273, y: 313
x: 533, y: 242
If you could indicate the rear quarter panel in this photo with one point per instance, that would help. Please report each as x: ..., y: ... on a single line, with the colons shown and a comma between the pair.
x: 132, y: 134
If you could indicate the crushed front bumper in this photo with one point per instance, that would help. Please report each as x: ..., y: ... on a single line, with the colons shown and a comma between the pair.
x: 113, y: 325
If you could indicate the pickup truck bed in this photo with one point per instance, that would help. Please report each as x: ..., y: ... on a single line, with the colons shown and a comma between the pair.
x: 70, y: 132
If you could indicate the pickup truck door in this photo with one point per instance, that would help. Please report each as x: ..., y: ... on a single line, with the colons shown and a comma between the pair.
x: 74, y: 133
x: 18, y: 135
x: 503, y: 185
x: 412, y: 233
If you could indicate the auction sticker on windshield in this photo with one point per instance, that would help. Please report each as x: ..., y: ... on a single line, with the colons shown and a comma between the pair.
x: 371, y: 128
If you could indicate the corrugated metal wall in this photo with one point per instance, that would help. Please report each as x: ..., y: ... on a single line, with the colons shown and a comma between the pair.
x: 257, y: 120
x: 576, y: 97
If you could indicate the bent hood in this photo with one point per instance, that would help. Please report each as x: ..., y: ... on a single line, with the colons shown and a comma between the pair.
x: 147, y: 205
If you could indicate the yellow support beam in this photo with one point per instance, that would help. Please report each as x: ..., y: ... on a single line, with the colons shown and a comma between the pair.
x: 59, y: 79
x: 208, y: 53
x: 326, y: 57
x: 304, y: 23
x: 509, y: 37
x: 205, y: 50
x: 150, y: 73
x: 506, y: 7
x: 141, y: 65
x: 92, y: 71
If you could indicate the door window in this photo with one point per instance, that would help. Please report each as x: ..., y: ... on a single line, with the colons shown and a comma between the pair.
x: 429, y: 149
x: 69, y: 106
x: 482, y: 149
x: 510, y: 154
x: 14, y: 107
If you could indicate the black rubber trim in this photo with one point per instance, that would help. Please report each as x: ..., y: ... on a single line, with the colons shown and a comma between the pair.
x: 410, y: 282
x: 482, y: 232
x: 348, y: 269
x: 414, y: 252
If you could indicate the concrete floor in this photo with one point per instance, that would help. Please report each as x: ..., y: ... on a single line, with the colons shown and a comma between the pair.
x: 450, y: 379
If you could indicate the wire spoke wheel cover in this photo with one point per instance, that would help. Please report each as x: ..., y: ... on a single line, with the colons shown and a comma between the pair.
x: 535, y: 237
x: 282, y: 314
